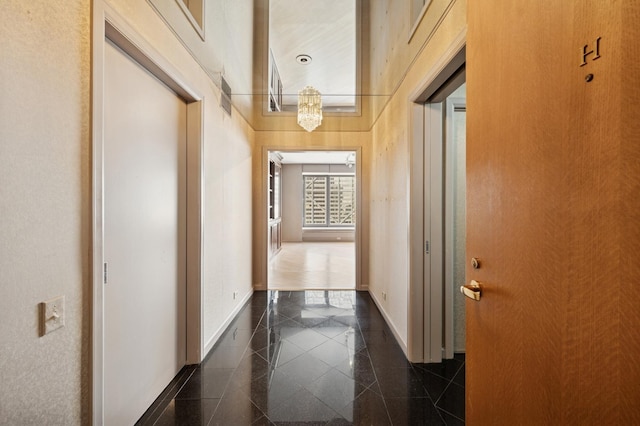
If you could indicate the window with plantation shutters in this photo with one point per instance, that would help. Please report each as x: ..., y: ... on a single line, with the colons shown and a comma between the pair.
x: 342, y: 200
x: 329, y: 200
x: 315, y: 200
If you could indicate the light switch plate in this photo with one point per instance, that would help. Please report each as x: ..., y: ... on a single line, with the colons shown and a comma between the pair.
x: 51, y: 315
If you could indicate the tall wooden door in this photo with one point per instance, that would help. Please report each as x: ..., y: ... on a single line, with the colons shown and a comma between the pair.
x: 144, y: 237
x: 553, y: 212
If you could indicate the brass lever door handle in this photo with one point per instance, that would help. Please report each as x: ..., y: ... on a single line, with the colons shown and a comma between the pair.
x: 472, y: 291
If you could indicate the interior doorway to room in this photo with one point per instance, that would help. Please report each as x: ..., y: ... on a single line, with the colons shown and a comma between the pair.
x: 147, y: 129
x: 312, y: 220
x: 144, y: 237
x: 438, y: 216
x: 444, y: 216
x: 455, y: 142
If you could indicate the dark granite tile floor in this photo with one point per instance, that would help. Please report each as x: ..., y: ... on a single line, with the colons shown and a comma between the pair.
x: 311, y: 358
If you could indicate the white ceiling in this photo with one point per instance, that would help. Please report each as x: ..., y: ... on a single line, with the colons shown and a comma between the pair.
x: 316, y: 157
x: 324, y: 30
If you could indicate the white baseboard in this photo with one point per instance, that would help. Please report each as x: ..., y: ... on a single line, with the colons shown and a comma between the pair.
x: 391, y: 325
x: 328, y: 235
x: 214, y: 339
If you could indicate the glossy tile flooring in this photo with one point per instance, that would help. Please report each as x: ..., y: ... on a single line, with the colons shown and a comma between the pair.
x: 311, y: 358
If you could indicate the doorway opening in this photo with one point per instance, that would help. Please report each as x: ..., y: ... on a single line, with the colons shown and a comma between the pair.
x: 455, y: 114
x: 312, y: 220
x: 438, y: 181
x: 444, y: 216
x: 123, y: 324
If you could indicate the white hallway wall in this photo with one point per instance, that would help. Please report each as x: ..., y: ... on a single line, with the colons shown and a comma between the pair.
x: 45, y: 208
x: 292, y: 202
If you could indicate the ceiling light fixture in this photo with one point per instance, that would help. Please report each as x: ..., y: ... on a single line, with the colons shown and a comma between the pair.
x: 309, y: 108
x: 303, y: 59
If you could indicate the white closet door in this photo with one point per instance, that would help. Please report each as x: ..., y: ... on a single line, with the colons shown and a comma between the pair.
x: 144, y: 241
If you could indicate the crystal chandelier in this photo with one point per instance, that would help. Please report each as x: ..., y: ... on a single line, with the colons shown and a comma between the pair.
x: 309, y: 108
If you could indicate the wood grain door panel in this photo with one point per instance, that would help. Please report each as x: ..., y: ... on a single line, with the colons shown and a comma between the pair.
x: 552, y: 211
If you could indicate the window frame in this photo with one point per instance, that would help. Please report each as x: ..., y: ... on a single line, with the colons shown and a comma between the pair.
x: 327, y: 214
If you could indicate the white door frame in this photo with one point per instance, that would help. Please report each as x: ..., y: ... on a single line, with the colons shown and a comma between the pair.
x: 426, y: 268
x: 264, y: 207
x: 451, y: 105
x: 108, y: 24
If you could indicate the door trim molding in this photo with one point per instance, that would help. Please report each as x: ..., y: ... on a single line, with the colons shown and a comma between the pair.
x: 108, y: 24
x: 450, y: 285
x: 421, y: 304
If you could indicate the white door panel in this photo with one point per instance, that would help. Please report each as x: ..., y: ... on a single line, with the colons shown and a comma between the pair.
x: 144, y: 241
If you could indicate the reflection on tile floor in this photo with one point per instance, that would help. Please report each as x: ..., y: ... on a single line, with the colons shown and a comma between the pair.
x: 311, y: 358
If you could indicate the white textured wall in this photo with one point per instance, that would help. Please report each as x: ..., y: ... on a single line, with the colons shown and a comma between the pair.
x: 227, y: 218
x: 44, y: 208
x: 389, y: 256
x: 292, y: 202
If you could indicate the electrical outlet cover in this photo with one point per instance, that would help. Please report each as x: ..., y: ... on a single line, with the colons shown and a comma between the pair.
x: 51, y: 315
